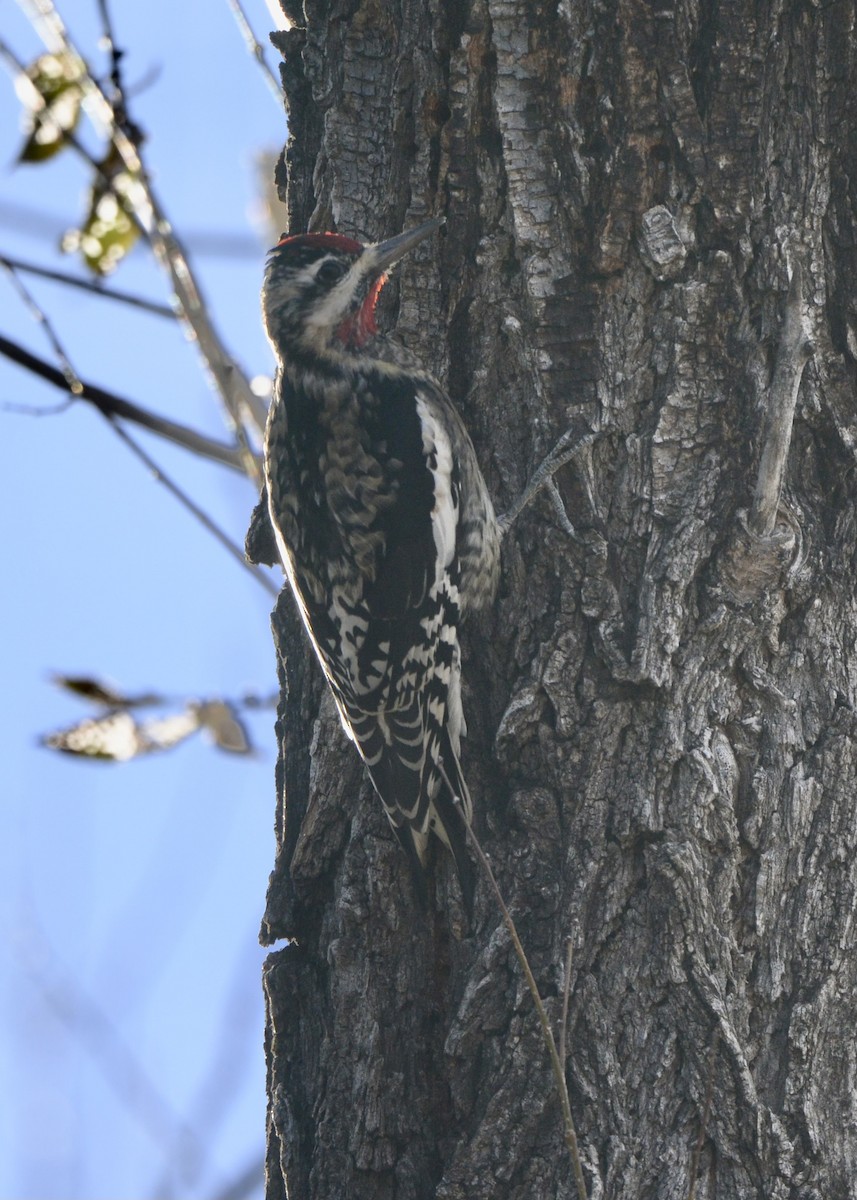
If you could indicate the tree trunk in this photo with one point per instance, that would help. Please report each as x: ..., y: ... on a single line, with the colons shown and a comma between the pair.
x: 650, y: 216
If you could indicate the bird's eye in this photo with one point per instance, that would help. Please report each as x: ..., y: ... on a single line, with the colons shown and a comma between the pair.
x: 330, y: 271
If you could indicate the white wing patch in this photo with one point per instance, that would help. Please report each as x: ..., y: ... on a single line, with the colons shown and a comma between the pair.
x: 444, y: 516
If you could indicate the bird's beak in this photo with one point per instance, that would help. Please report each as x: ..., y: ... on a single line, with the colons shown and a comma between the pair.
x: 384, y: 254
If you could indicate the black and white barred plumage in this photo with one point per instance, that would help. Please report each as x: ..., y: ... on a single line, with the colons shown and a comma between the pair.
x: 383, y: 523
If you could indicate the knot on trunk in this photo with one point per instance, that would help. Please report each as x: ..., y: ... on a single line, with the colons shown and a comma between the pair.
x: 755, y: 561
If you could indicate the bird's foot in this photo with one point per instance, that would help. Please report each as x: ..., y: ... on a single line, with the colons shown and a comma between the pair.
x: 542, y: 479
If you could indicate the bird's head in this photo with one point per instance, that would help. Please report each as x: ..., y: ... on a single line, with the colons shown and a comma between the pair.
x: 321, y: 289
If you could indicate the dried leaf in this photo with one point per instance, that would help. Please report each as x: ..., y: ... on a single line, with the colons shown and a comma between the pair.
x: 117, y: 737
x: 112, y: 738
x: 109, y: 231
x: 162, y: 733
x: 219, y: 721
x: 90, y: 688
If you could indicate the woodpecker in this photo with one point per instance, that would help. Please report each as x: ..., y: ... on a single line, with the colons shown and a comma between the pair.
x: 383, y: 524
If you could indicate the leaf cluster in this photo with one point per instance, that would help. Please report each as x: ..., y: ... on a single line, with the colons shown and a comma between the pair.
x: 118, y: 733
x: 51, y: 90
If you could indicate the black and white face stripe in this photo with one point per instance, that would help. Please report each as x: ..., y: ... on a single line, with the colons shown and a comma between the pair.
x: 339, y: 289
x: 310, y: 289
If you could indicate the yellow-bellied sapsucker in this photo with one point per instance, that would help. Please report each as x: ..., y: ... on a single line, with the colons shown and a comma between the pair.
x: 383, y: 523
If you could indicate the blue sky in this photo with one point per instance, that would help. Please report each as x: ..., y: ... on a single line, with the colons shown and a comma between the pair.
x: 131, y: 895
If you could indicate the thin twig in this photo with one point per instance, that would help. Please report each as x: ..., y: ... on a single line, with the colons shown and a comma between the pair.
x: 74, y: 385
x: 256, y: 49
x: 107, y: 25
x: 117, y: 99
x: 205, y: 520
x: 239, y: 401
x: 35, y: 410
x: 109, y: 404
x: 557, y: 1066
x: 706, y: 1110
x: 87, y: 285
x: 205, y: 243
x: 38, y: 314
x: 566, y: 992
x: 18, y: 72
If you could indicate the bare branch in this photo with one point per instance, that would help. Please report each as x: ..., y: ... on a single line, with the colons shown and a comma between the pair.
x: 238, y: 398
x: 205, y: 243
x: 205, y: 520
x: 74, y: 385
x: 87, y: 285
x: 37, y: 104
x: 253, y: 45
x: 37, y: 313
x: 110, y: 42
x: 111, y: 405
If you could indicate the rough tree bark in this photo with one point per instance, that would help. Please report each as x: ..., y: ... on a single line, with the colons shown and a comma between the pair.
x: 650, y: 217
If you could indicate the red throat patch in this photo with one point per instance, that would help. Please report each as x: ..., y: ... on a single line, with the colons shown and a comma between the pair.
x: 357, y: 329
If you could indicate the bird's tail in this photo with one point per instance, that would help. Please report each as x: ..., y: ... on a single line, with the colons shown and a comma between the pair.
x: 422, y: 788
x: 450, y: 813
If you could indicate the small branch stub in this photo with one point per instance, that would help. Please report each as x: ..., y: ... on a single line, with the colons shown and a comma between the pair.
x: 794, y: 352
x: 755, y: 561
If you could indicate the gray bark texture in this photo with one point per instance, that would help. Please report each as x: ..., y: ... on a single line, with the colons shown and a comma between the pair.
x: 651, y: 237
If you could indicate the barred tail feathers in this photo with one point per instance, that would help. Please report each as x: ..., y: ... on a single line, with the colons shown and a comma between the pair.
x: 449, y: 809
x: 421, y: 787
